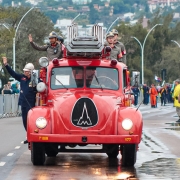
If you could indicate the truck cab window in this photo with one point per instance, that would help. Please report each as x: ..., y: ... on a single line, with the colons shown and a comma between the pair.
x: 100, y: 77
x: 67, y: 77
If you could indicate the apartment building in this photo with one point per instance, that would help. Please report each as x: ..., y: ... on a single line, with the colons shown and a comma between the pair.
x: 153, y: 4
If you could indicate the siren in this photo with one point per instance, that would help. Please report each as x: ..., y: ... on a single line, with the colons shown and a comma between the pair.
x: 55, y: 61
x: 108, y: 49
x: 113, y: 62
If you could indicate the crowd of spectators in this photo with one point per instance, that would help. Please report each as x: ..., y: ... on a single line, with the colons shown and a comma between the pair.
x: 153, y: 94
x: 10, y: 88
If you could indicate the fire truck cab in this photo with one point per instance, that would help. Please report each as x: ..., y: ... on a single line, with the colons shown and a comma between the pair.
x: 85, y: 98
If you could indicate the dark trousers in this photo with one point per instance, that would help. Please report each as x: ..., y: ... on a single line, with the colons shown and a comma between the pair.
x: 25, y: 107
x: 163, y: 100
x: 146, y: 99
x: 25, y: 110
x: 135, y: 99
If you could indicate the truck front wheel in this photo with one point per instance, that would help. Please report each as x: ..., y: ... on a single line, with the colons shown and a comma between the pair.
x: 51, y: 149
x: 128, y: 152
x: 37, y: 153
x: 112, y: 150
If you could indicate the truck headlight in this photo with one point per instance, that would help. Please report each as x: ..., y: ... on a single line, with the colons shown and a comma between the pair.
x: 43, y: 62
x: 41, y: 122
x: 127, y: 124
x: 41, y: 87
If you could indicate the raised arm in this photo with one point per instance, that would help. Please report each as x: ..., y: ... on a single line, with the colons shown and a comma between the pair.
x: 10, y: 71
x: 36, y: 46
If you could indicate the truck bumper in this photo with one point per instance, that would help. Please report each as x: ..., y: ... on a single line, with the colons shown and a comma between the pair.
x: 87, y: 139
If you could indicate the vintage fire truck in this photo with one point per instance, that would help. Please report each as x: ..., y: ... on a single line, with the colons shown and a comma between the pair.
x: 85, y: 99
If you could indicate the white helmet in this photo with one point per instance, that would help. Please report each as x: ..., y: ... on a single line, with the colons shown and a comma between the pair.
x: 28, y: 67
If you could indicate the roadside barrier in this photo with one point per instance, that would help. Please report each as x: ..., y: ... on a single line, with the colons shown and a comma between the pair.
x: 9, y: 105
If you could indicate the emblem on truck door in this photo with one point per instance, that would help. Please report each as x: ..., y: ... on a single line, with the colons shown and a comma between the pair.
x: 84, y: 113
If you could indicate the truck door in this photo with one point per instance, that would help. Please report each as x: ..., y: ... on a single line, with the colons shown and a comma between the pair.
x: 126, y: 88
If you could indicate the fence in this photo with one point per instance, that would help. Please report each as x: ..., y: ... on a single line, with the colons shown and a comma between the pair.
x: 9, y: 105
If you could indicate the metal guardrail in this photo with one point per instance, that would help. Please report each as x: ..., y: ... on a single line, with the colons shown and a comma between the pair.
x: 9, y: 105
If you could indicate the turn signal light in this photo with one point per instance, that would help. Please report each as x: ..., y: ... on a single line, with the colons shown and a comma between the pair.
x: 113, y: 62
x: 36, y: 130
x: 55, y: 61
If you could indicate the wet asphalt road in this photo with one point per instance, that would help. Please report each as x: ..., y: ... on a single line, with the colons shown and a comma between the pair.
x: 158, y: 156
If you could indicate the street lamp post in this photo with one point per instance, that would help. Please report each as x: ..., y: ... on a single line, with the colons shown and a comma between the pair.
x: 14, y: 38
x: 112, y: 24
x: 5, y: 26
x: 176, y: 43
x: 75, y: 18
x: 142, y: 51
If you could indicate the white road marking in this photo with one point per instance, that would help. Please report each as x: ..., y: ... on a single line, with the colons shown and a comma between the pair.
x: 22, y: 142
x: 10, y: 154
x: 2, y: 163
x: 17, y: 147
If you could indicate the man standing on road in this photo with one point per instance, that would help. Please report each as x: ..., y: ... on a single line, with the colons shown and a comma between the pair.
x: 176, y: 95
x: 145, y: 94
x: 54, y: 49
x: 136, y: 92
x: 163, y: 93
x: 27, y: 92
x: 120, y: 45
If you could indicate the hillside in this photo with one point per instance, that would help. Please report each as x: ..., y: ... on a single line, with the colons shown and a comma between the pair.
x: 93, y: 11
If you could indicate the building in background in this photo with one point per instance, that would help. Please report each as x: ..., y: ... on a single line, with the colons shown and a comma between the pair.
x: 86, y: 1
x: 153, y: 4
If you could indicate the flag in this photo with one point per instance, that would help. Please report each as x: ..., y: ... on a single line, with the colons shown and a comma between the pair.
x: 157, y: 78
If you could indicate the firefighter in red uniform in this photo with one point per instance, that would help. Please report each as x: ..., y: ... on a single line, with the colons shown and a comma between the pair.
x: 153, y: 93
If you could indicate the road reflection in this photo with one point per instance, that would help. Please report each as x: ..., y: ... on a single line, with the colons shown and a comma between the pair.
x: 161, y: 168
x: 87, y: 167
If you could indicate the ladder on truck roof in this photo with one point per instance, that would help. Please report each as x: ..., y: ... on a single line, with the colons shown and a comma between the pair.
x: 85, y: 45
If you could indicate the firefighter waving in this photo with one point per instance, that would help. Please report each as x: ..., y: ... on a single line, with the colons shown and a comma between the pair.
x: 27, y: 93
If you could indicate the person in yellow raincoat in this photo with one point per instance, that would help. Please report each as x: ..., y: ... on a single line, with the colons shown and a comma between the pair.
x: 176, y: 95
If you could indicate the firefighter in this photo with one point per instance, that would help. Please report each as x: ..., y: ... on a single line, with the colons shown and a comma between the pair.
x: 145, y: 94
x: 119, y: 45
x: 27, y: 91
x: 54, y: 49
x: 61, y: 41
x: 153, y: 93
x: 115, y: 51
x: 136, y: 92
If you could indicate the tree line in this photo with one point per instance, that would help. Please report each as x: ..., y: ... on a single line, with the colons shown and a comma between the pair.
x: 159, y: 51
x: 35, y: 23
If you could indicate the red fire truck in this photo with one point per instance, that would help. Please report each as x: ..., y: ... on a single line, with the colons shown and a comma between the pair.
x: 85, y: 98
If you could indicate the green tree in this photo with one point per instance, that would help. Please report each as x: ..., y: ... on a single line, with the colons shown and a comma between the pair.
x: 93, y: 14
x: 35, y: 23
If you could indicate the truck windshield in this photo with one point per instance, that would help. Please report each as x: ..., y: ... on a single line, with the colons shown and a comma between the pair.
x: 95, y: 77
x: 67, y: 77
x: 101, y: 77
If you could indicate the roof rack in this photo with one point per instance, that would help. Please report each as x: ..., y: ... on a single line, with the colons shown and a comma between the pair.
x: 85, y: 45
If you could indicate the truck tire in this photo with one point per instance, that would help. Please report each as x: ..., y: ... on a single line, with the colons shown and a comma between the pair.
x: 112, y: 151
x: 37, y: 153
x: 51, y: 149
x: 128, y: 152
